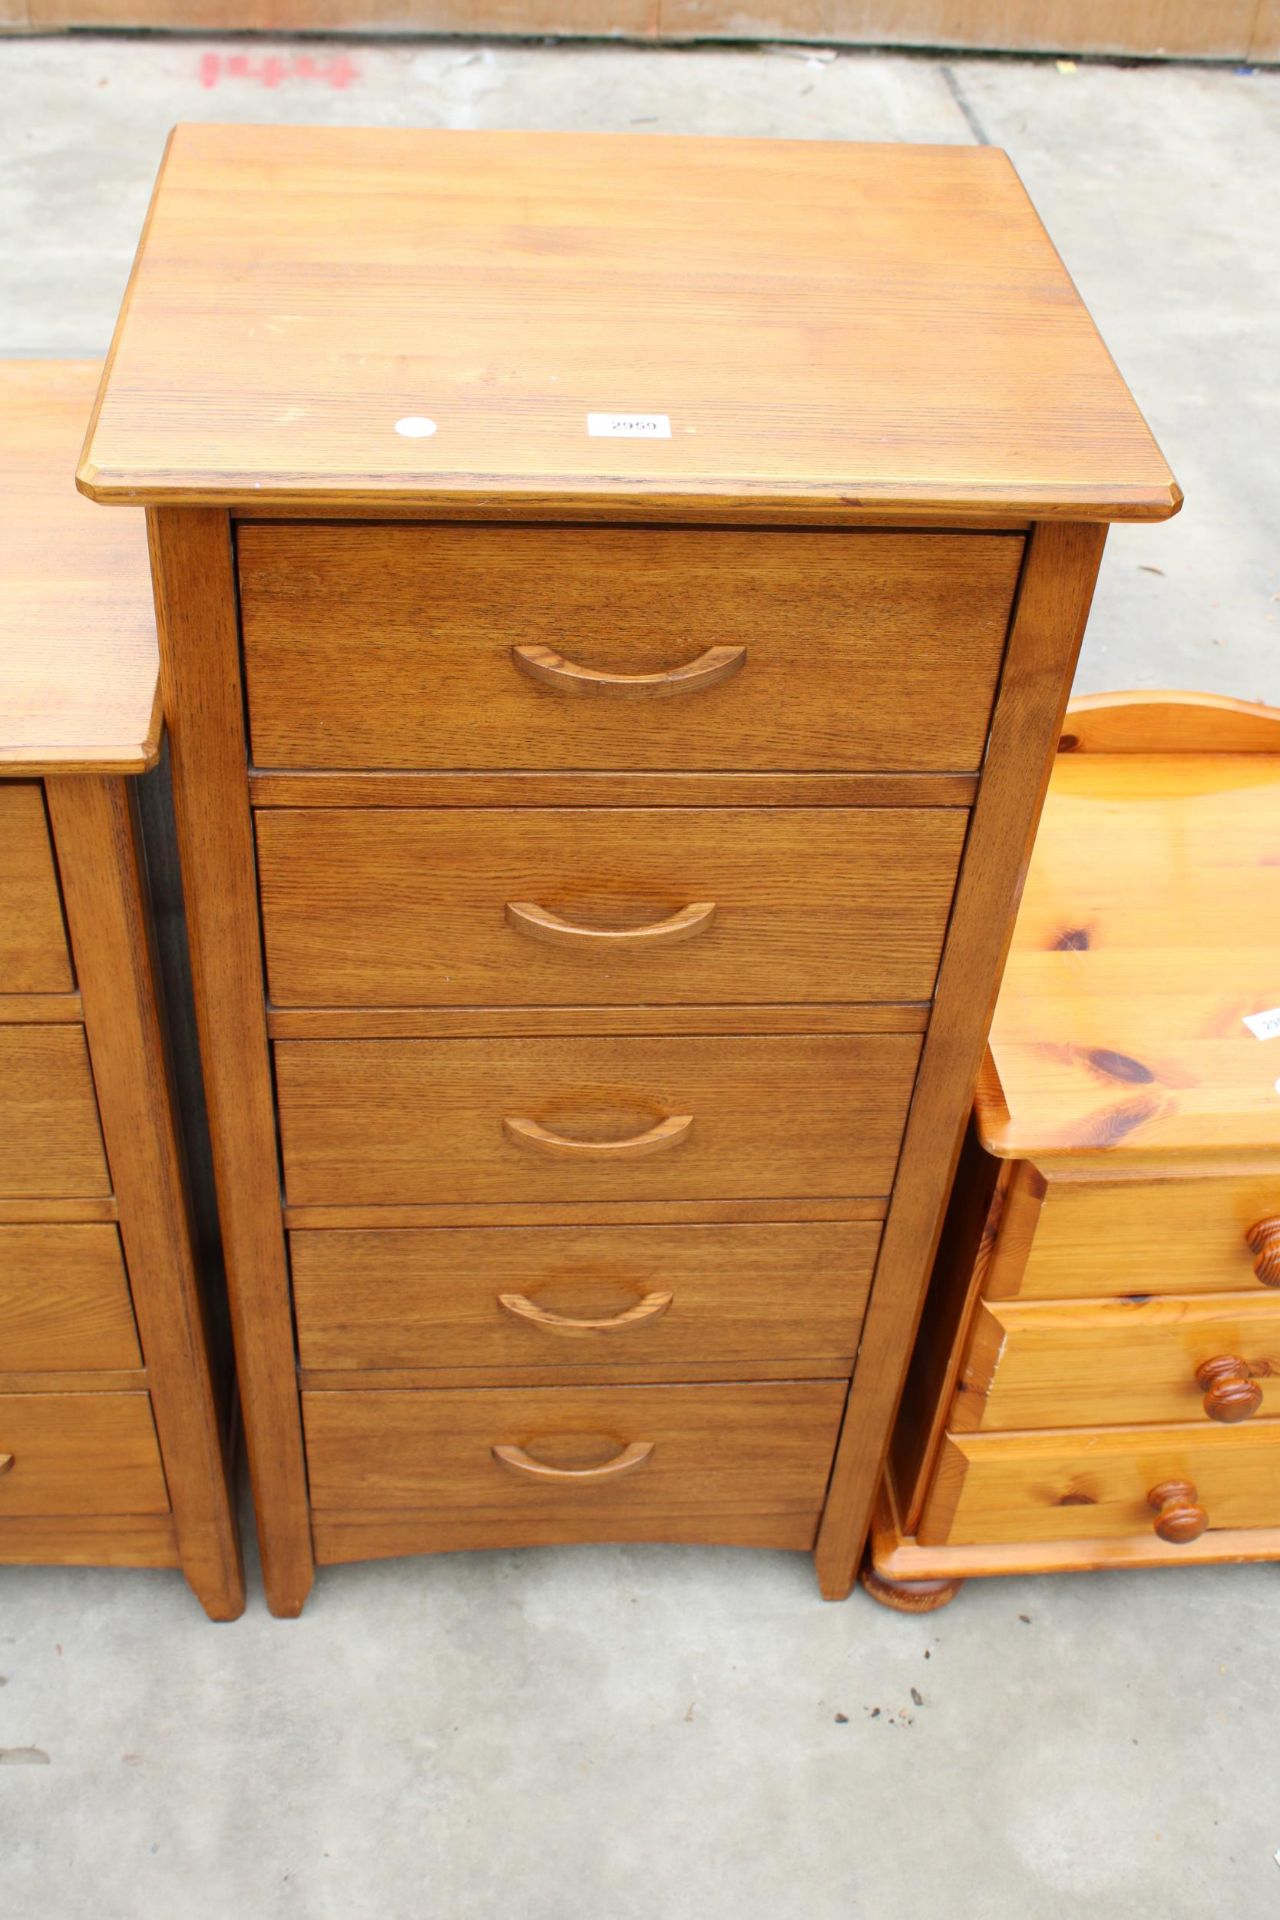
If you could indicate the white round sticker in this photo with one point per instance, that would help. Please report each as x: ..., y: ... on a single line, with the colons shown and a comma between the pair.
x: 415, y: 426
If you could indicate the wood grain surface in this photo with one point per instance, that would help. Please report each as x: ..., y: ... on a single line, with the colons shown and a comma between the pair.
x: 79, y: 673
x: 434, y: 1299
x: 730, y: 1452
x: 937, y: 354
x: 64, y: 1300
x: 998, y: 1488
x: 383, y: 1122
x: 384, y: 909
x: 79, y: 1453
x: 50, y: 1141
x: 33, y: 940
x: 1120, y: 1028
x: 910, y: 626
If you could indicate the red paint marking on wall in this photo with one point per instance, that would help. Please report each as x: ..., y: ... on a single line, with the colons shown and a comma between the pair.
x: 272, y: 70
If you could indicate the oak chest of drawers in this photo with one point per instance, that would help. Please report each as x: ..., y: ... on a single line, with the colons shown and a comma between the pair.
x: 617, y: 599
x: 111, y: 1435
x: 1095, y: 1383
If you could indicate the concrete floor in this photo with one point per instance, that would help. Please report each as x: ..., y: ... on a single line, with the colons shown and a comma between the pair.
x: 652, y: 1733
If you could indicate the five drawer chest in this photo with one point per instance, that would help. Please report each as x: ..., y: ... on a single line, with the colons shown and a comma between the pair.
x: 113, y: 1415
x: 617, y: 600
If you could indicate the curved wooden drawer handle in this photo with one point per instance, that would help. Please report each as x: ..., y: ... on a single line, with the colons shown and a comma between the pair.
x: 625, y: 1462
x: 551, y: 669
x: 1264, y: 1242
x: 520, y: 1307
x: 1230, y: 1391
x: 668, y: 1133
x: 1179, y: 1520
x: 539, y: 923
x: 6, y: 1461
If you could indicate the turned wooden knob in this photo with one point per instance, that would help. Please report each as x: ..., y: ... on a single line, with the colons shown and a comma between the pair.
x: 1264, y: 1243
x: 1178, y: 1518
x: 1230, y: 1391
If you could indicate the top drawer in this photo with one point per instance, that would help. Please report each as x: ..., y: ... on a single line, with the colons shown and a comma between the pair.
x: 33, y: 942
x: 498, y: 647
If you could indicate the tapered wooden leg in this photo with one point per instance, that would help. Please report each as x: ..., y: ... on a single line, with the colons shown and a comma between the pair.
x: 907, y: 1596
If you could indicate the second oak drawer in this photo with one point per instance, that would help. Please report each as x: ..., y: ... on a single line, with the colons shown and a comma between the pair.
x: 50, y: 1140
x: 538, y: 906
x: 374, y: 1122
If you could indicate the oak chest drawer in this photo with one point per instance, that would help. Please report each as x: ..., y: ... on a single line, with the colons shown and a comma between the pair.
x: 635, y: 648
x: 50, y: 1140
x: 64, y: 1300
x: 601, y: 905
x: 34, y: 957
x: 79, y: 1453
x: 990, y: 1489
x: 617, y: 1296
x: 569, y: 1463
x: 370, y: 1122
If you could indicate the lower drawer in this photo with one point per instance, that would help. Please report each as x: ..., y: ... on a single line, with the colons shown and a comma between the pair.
x: 654, y: 1117
x: 617, y: 1296
x: 581, y: 1463
x: 79, y: 1453
x: 64, y: 1300
x: 996, y: 1488
x: 1120, y: 1362
x: 50, y: 1141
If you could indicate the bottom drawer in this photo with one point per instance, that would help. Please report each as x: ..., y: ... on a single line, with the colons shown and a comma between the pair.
x: 79, y: 1453
x: 581, y: 1463
x: 991, y: 1489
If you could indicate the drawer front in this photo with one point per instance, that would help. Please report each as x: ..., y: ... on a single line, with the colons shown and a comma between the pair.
x: 50, y: 1141
x: 578, y: 1460
x: 586, y: 907
x: 613, y: 1296
x: 369, y: 646
x: 1118, y: 1362
x: 75, y: 1453
x: 1156, y: 1237
x: 64, y: 1300
x: 992, y: 1489
x: 33, y: 943
x: 370, y: 1122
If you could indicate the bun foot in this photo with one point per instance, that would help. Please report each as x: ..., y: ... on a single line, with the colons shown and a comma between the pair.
x: 908, y: 1596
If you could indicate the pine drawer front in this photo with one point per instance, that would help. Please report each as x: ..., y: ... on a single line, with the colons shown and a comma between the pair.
x: 1120, y: 1362
x: 579, y: 1462
x: 909, y: 626
x: 64, y: 1300
x: 50, y: 1140
x: 370, y: 1122
x: 34, y: 957
x: 530, y: 907
x: 990, y: 1489
x: 1149, y: 1237
x: 74, y: 1453
x: 596, y: 1296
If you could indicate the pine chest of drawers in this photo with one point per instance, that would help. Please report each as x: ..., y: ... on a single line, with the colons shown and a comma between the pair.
x: 617, y: 599
x: 1096, y: 1379
x: 111, y: 1432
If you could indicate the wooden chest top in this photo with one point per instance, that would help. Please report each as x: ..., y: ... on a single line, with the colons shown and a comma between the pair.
x: 1131, y: 1021
x: 785, y: 327
x: 79, y: 668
